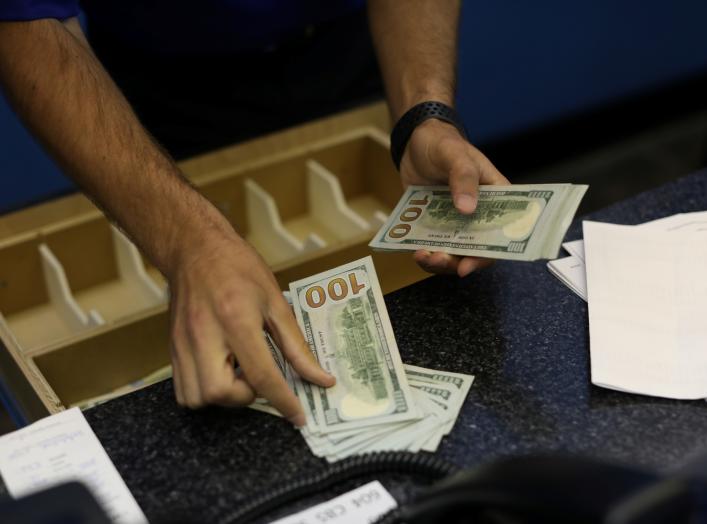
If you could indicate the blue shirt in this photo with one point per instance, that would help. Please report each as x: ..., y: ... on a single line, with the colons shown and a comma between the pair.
x: 16, y: 10
x: 182, y: 28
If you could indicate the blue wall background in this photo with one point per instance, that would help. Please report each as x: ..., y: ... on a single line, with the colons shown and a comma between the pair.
x: 521, y: 65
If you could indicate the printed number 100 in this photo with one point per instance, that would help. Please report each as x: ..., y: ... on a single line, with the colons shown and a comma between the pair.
x: 409, y: 214
x: 337, y: 289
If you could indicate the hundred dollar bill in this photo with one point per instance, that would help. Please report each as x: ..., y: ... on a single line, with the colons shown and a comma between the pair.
x: 260, y: 403
x: 345, y: 322
x: 405, y: 435
x: 517, y: 222
x: 443, y: 387
x: 302, y: 389
x: 460, y: 381
x: 293, y: 381
x: 449, y: 400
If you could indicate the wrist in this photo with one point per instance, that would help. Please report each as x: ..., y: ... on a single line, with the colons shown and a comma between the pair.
x: 429, y: 130
x: 412, y: 96
x: 197, y: 227
x: 417, y: 116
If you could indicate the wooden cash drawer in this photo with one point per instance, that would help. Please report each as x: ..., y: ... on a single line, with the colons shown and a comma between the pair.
x: 81, y: 312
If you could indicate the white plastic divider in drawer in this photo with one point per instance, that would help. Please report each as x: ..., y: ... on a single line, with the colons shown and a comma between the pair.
x: 60, y: 296
x: 267, y: 232
x: 327, y: 202
x: 131, y: 268
x: 59, y: 317
x: 131, y: 292
x: 330, y: 219
x: 67, y: 312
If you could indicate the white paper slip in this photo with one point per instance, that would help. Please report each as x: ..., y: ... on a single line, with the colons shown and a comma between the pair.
x: 680, y: 220
x: 683, y: 222
x: 61, y: 448
x: 575, y: 248
x: 647, y: 294
x: 570, y: 271
x: 364, y: 504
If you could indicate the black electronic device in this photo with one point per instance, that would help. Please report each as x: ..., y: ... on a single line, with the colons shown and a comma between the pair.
x: 552, y: 490
x: 540, y: 489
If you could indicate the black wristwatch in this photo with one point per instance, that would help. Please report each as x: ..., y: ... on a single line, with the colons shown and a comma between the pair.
x: 414, y: 117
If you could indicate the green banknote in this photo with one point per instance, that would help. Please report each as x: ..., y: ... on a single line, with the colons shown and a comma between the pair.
x: 343, y: 317
x: 516, y: 222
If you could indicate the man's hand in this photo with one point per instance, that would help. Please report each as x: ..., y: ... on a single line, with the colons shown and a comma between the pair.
x: 416, y: 44
x: 222, y: 293
x: 438, y: 155
x: 222, y: 297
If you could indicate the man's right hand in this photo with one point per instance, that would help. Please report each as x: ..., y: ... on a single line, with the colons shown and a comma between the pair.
x: 222, y: 297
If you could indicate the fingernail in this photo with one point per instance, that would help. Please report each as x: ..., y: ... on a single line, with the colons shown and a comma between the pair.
x: 298, y: 420
x: 464, y: 203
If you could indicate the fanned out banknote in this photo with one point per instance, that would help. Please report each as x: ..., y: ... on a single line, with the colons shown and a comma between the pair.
x: 378, y: 403
x: 439, y: 398
x: 516, y: 222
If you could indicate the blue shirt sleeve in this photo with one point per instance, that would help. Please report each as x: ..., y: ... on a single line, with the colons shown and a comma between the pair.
x: 17, y: 10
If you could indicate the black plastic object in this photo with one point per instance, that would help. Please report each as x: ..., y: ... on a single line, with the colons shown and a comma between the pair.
x: 425, y: 465
x: 69, y: 503
x: 547, y: 490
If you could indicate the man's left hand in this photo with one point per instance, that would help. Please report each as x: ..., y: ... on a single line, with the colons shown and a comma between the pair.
x: 437, y: 154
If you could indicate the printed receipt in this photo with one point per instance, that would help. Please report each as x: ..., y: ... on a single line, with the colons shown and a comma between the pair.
x: 61, y: 448
x: 364, y: 504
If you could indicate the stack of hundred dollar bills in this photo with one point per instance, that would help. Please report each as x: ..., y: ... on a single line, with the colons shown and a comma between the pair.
x: 378, y: 403
x: 517, y: 222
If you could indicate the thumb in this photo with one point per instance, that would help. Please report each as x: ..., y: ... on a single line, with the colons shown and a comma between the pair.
x: 462, y: 173
x: 464, y: 185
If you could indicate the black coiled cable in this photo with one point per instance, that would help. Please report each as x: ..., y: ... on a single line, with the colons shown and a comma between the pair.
x: 350, y: 468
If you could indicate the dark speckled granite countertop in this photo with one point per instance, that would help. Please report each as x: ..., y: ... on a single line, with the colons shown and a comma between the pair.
x: 518, y: 329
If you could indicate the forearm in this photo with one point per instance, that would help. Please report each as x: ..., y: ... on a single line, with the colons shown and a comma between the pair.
x: 66, y: 98
x: 416, y: 44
